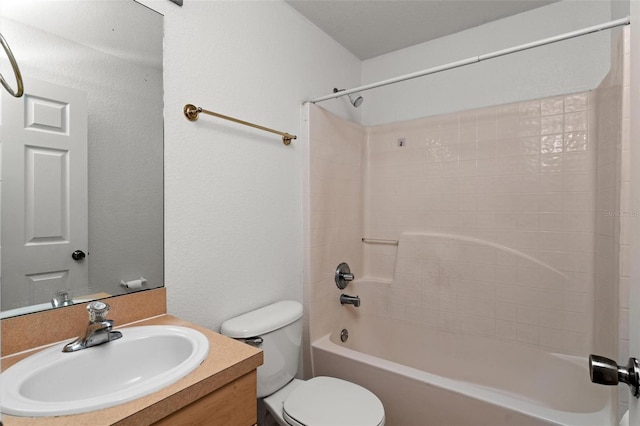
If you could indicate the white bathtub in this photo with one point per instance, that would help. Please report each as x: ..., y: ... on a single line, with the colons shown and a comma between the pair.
x: 425, y: 377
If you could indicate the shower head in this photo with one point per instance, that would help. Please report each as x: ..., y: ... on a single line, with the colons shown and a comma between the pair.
x: 356, y: 102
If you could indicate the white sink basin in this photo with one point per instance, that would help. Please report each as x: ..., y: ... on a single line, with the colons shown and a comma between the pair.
x: 144, y: 360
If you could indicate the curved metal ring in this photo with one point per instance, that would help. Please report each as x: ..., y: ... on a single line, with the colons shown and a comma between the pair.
x: 16, y: 71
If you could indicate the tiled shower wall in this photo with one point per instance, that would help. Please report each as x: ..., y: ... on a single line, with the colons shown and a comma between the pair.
x: 610, y: 211
x: 517, y: 182
x: 333, y: 215
x: 613, y: 214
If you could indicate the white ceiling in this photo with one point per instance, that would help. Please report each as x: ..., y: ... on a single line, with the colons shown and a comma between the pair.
x: 369, y: 28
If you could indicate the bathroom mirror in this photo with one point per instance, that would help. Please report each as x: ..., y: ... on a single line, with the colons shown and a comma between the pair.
x: 105, y: 55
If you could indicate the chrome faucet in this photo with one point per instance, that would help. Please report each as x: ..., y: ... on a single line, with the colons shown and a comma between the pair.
x: 98, y: 331
x: 350, y: 300
x: 61, y: 298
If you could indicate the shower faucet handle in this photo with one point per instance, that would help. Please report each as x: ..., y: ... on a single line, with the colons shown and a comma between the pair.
x: 343, y: 276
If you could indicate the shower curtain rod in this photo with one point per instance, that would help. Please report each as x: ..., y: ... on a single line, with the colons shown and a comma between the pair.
x: 476, y: 59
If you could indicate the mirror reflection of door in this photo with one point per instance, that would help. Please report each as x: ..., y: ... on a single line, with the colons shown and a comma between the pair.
x: 44, y: 193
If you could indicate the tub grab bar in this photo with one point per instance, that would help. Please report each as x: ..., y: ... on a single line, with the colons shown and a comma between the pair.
x: 380, y: 241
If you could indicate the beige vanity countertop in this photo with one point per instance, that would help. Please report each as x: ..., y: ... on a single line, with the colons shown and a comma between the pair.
x: 227, y: 361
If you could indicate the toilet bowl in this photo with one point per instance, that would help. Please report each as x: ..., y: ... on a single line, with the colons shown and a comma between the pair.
x: 325, y: 401
x: 320, y: 401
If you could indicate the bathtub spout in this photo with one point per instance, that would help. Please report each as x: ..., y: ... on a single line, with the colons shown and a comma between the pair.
x: 350, y: 300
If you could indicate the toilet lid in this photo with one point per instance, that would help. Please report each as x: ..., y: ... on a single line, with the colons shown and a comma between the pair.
x: 327, y: 401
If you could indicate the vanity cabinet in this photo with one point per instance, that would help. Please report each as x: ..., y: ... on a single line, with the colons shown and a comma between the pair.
x: 232, y: 405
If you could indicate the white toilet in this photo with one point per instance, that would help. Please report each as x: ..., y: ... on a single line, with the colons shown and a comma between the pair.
x: 321, y: 401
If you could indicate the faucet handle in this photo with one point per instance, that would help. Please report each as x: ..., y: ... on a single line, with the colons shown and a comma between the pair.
x: 97, y: 311
x: 61, y: 298
x: 343, y: 275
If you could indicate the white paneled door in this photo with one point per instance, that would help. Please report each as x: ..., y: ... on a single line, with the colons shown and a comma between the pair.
x: 44, y: 193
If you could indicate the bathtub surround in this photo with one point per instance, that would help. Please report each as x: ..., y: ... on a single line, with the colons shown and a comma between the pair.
x: 334, y: 215
x: 499, y: 211
x: 493, y: 211
x: 508, y: 220
x: 611, y: 320
x: 514, y: 181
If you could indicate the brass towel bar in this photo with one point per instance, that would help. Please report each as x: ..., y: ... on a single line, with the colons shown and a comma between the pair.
x: 192, y: 111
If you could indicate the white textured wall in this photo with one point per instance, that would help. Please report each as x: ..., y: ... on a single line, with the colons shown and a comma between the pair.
x: 569, y: 66
x: 233, y: 203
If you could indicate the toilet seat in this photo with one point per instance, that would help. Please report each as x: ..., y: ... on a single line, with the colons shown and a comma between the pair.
x: 327, y: 401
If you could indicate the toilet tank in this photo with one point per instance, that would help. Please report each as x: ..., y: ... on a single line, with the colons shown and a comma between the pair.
x: 280, y: 327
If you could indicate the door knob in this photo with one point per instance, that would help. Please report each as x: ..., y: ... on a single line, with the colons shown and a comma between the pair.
x: 605, y: 371
x: 78, y: 255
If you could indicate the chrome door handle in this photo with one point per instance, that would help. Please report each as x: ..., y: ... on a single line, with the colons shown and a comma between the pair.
x: 605, y: 371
